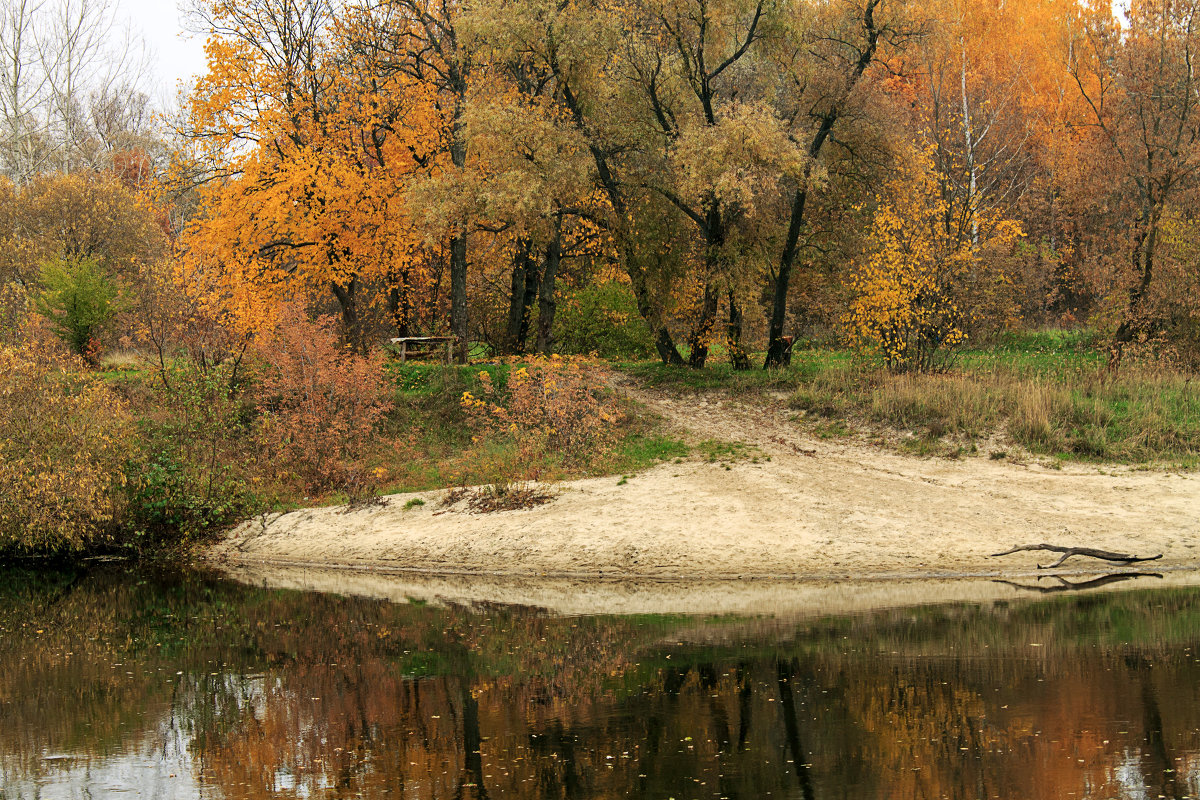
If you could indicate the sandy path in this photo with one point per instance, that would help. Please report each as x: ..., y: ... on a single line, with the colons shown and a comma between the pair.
x: 816, y: 509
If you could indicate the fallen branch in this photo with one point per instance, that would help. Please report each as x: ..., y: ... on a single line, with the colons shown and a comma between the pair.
x: 1067, y: 552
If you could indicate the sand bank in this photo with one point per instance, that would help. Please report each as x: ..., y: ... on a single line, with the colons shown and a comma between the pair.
x: 815, y: 510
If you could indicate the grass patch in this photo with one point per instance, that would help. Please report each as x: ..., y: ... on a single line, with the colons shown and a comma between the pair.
x: 715, y: 452
x: 1045, y: 391
x: 430, y: 441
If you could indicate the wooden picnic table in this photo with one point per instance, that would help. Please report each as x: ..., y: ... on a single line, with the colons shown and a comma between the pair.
x: 423, y: 345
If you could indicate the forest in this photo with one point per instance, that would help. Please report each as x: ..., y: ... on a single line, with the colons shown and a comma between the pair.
x: 960, y: 217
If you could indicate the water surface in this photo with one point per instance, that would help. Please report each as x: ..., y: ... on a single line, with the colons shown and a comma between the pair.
x: 183, y: 684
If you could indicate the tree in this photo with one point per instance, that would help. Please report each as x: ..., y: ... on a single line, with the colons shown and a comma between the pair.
x: 69, y: 88
x: 914, y: 288
x: 422, y: 41
x: 848, y: 50
x: 1139, y: 84
x: 301, y: 142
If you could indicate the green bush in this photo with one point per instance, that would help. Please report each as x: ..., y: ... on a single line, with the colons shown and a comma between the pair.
x: 78, y: 299
x: 602, y: 319
x: 191, y: 476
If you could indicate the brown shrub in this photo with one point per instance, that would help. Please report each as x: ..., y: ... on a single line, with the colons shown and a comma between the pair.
x: 320, y: 402
x: 553, y: 405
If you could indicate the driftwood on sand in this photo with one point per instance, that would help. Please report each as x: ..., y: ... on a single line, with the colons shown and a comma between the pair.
x: 1067, y: 552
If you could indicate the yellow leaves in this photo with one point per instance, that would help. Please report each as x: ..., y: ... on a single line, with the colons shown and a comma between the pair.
x: 551, y: 405
x: 907, y: 289
x: 739, y: 158
x: 65, y: 440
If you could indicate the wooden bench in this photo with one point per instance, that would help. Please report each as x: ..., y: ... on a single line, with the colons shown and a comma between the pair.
x: 406, y: 346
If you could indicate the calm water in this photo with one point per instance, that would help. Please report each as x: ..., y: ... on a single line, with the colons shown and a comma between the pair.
x: 118, y: 683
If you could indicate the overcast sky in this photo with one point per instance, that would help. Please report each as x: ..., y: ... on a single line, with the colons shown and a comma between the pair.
x: 174, y: 55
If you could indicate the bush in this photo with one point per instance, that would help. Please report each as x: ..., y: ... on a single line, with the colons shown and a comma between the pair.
x: 79, y: 299
x: 602, y: 319
x: 553, y: 406
x: 66, y: 438
x: 912, y: 288
x: 320, y: 402
x: 191, y: 478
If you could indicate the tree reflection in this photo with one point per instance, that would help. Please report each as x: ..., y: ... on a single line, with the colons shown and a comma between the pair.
x: 286, y: 694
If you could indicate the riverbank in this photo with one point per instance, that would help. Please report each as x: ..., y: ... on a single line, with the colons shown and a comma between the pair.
x: 800, y: 507
x: 757, y: 599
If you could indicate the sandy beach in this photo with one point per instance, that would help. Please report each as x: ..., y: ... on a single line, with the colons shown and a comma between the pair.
x: 810, y: 509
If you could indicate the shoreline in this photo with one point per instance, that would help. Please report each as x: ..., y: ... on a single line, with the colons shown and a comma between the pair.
x: 803, y: 508
x: 1092, y: 569
x: 759, y: 598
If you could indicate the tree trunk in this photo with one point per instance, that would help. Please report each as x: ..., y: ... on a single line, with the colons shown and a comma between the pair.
x: 1144, y: 251
x: 352, y: 333
x: 733, y: 335
x: 525, y: 281
x: 701, y: 333
x: 547, y: 305
x: 777, y: 347
x: 399, y: 302
x: 458, y: 246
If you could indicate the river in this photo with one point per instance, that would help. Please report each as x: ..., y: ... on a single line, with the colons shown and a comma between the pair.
x: 123, y: 681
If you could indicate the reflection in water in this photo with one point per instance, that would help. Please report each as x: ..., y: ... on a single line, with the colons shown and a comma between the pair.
x: 189, y: 686
x: 1061, y: 584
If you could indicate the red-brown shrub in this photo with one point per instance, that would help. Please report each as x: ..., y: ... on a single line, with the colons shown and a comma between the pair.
x: 320, y: 402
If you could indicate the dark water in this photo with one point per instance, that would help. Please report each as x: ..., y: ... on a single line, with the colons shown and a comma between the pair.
x: 127, y: 684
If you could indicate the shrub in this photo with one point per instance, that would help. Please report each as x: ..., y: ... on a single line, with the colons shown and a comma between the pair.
x: 320, y: 402
x: 65, y: 441
x: 911, y: 289
x: 553, y: 406
x: 79, y: 299
x: 192, y: 475
x: 602, y: 319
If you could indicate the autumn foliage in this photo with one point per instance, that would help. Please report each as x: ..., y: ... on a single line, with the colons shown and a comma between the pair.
x: 320, y: 403
x: 66, y: 439
x: 917, y: 286
x: 552, y: 406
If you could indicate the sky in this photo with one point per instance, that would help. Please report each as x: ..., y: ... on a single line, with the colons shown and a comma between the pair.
x: 174, y: 55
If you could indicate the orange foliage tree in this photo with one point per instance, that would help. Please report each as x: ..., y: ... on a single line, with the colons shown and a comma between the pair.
x: 301, y: 145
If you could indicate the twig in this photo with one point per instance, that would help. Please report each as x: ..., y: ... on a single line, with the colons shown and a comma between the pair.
x: 1067, y: 552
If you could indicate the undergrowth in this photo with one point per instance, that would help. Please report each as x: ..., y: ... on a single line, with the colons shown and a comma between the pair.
x: 431, y: 440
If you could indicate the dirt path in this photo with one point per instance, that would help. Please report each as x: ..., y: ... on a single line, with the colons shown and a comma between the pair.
x: 816, y: 509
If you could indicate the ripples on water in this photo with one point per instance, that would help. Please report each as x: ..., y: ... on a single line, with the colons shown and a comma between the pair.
x: 117, y: 683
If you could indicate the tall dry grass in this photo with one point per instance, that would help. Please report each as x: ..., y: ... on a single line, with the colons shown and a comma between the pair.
x: 1145, y: 414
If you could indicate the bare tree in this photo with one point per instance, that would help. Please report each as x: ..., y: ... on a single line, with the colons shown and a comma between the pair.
x: 1140, y: 84
x: 66, y: 69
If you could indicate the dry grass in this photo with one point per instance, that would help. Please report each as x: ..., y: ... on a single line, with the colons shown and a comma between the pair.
x: 1144, y: 415
x: 1046, y: 394
x: 498, y: 497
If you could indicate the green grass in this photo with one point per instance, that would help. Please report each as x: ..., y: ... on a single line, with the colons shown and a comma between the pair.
x: 441, y: 446
x: 715, y: 452
x: 1045, y: 391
